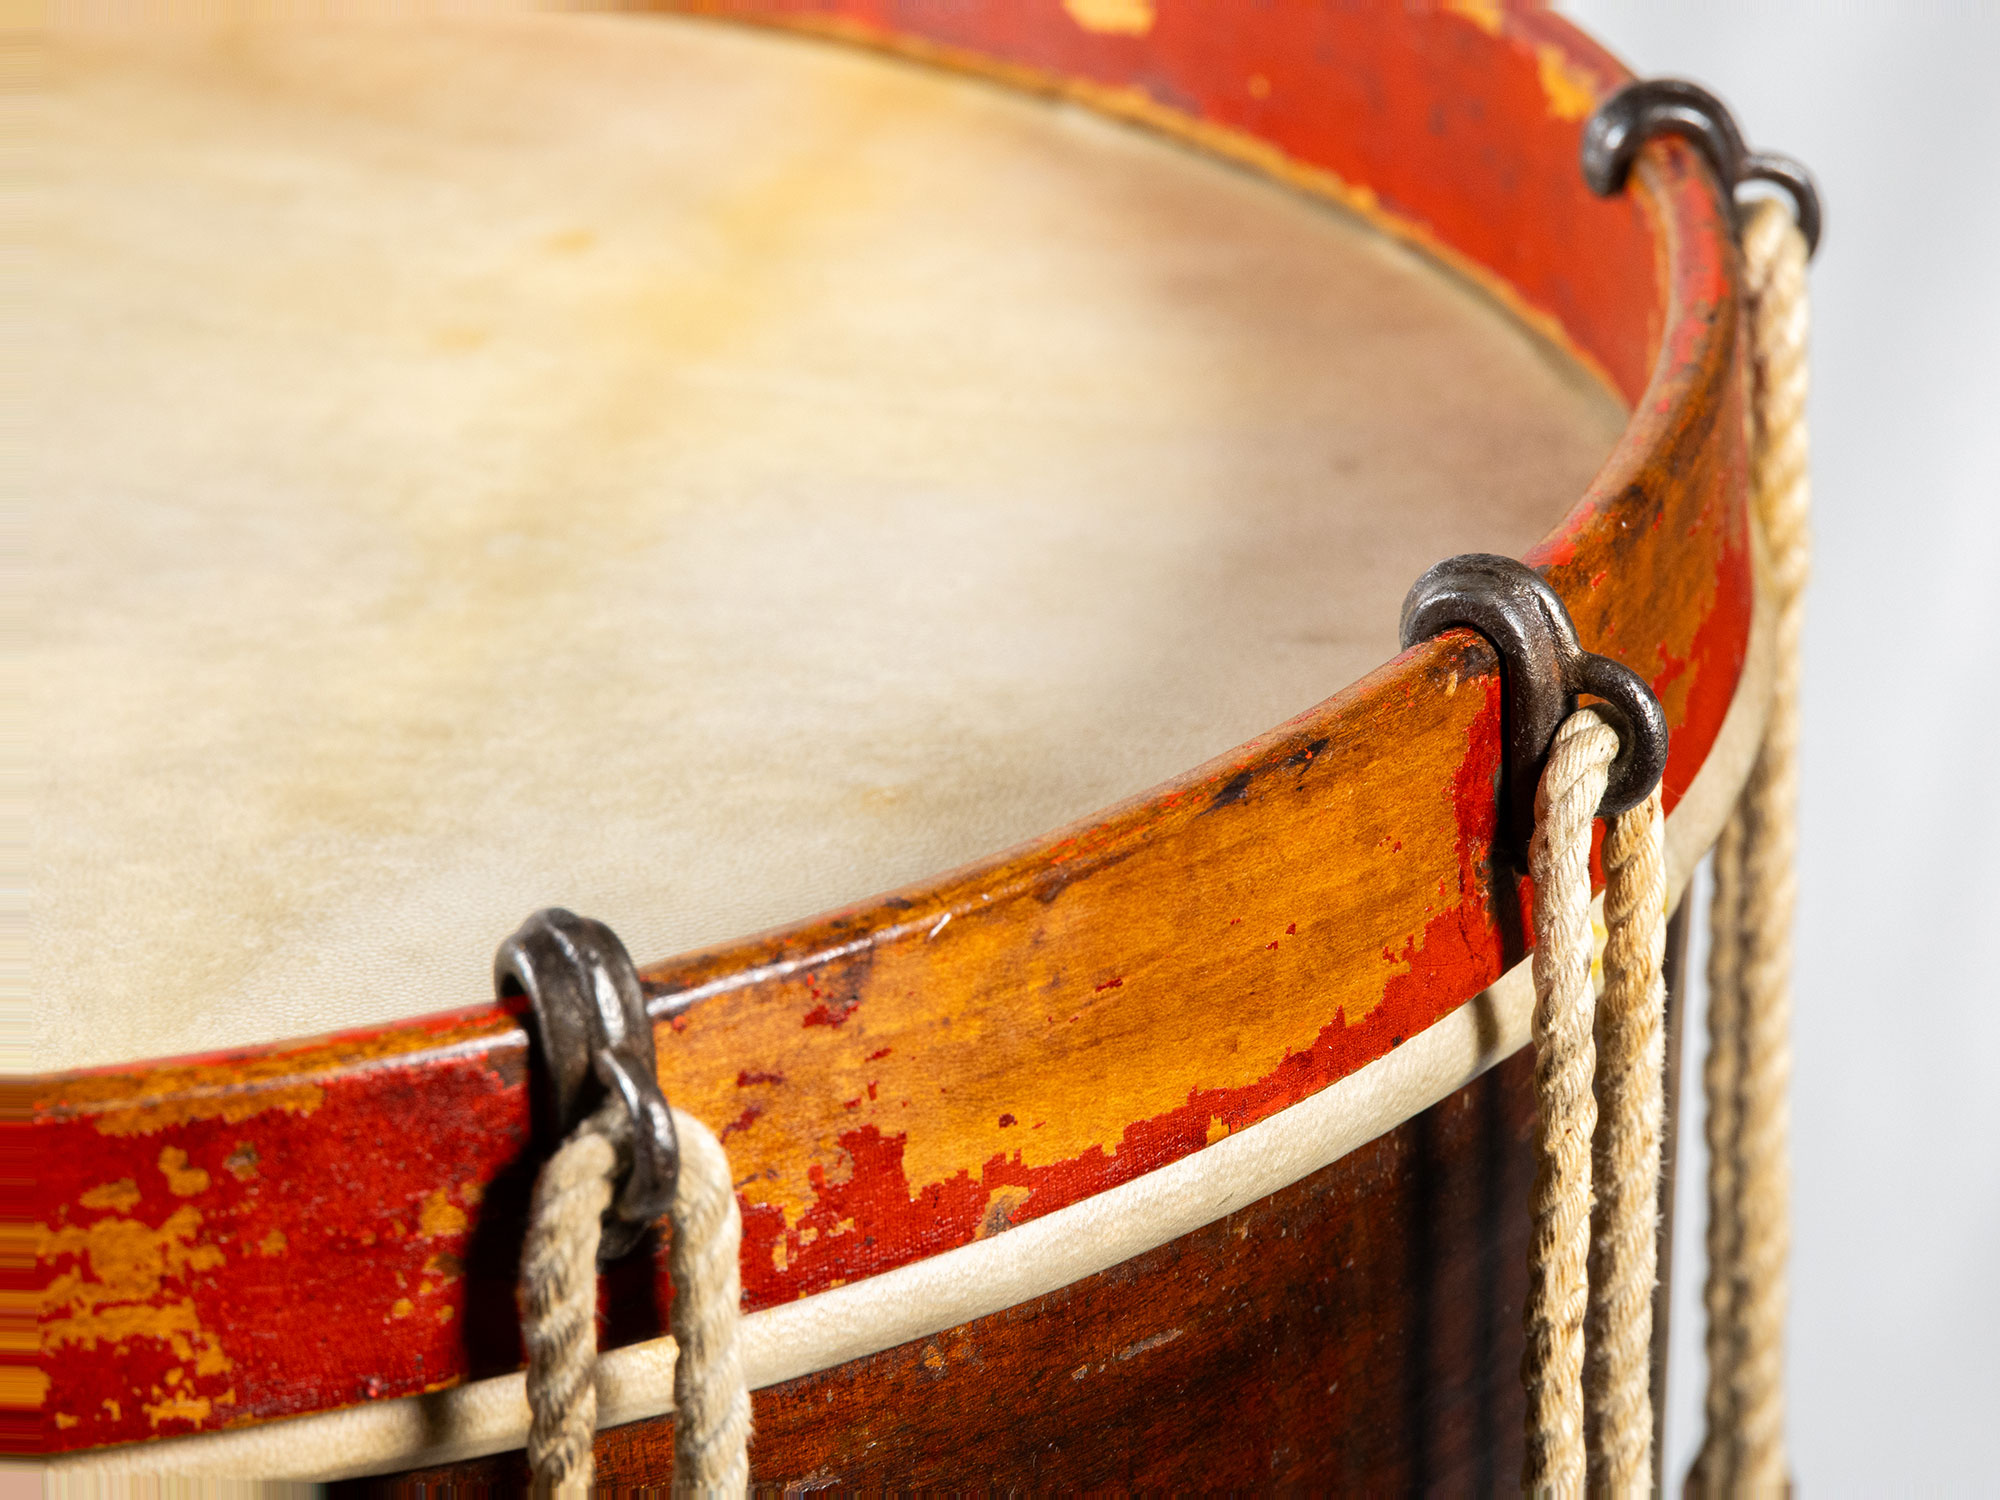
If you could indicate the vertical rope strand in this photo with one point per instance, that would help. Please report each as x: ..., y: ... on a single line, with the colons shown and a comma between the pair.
x: 1721, y: 1073
x: 711, y: 1402
x: 558, y: 1295
x: 1774, y: 256
x: 1750, y: 1005
x: 1625, y: 1168
x: 1566, y: 804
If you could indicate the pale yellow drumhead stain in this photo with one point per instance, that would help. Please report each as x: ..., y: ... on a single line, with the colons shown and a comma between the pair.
x: 691, y: 475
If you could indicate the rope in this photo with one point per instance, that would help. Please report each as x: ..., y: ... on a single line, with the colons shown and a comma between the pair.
x: 1749, y: 1119
x: 711, y: 1402
x: 559, y: 1301
x: 1720, y: 1075
x: 559, y: 1308
x: 1590, y: 1410
x: 1625, y: 1166
x: 1566, y: 802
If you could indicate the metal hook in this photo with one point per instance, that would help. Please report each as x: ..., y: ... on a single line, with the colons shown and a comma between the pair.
x: 596, y: 1040
x: 1673, y: 106
x: 1543, y: 669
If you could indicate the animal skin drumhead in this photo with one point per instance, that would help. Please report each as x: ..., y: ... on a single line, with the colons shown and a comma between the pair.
x: 692, y: 475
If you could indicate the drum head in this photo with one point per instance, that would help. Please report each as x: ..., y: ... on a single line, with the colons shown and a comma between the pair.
x: 691, y: 475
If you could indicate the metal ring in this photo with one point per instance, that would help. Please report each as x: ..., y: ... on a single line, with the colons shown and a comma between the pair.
x: 596, y: 1042
x: 1543, y: 670
x: 1673, y: 106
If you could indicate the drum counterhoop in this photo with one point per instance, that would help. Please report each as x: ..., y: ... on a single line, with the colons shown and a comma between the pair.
x: 1082, y: 1080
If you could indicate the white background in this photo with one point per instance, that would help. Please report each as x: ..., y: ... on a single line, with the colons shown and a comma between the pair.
x: 1894, y: 1365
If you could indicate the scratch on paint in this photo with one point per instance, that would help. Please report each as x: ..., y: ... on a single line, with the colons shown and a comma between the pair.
x: 1153, y: 1341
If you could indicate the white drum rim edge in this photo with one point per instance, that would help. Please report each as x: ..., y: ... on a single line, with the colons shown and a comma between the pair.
x: 987, y: 1276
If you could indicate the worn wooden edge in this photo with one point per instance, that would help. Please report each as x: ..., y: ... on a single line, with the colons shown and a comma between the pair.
x: 453, y: 1087
x: 973, y: 1281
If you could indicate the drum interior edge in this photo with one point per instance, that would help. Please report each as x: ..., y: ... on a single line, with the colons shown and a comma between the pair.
x: 692, y: 475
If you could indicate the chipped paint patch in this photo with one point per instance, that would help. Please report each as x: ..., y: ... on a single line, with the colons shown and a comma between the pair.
x: 1485, y: 14
x: 231, y: 1108
x: 117, y: 1196
x: 125, y: 1265
x: 1112, y: 17
x: 1571, y: 92
x: 118, y: 1291
x: 440, y: 1216
x: 179, y: 1409
x: 1001, y: 1205
x: 183, y: 1181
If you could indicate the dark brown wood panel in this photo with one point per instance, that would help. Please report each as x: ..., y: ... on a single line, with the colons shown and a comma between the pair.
x: 1359, y: 1330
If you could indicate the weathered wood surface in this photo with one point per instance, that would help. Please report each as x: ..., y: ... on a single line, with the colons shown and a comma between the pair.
x: 242, y: 1237
x: 1358, y: 1332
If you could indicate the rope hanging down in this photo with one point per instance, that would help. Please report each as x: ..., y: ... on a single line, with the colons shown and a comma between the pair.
x: 1748, y: 1073
x: 559, y: 1308
x: 1581, y: 1274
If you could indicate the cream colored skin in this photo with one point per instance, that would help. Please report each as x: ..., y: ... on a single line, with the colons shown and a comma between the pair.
x: 691, y: 475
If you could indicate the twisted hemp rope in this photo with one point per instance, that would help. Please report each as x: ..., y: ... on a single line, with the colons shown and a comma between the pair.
x: 559, y: 1308
x: 1748, y: 1074
x: 1577, y: 1277
x: 1625, y: 1164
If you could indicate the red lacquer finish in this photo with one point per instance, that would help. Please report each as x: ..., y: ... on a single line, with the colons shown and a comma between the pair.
x: 239, y: 1238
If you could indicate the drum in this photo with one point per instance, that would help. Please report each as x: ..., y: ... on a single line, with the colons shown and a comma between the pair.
x: 710, y: 475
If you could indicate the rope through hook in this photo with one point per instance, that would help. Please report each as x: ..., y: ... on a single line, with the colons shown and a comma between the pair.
x: 1599, y: 1089
x: 559, y: 1309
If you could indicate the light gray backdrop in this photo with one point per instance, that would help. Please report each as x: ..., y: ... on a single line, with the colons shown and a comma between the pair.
x: 1894, y: 1363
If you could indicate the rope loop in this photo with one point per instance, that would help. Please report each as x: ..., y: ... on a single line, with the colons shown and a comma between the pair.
x: 558, y: 1296
x: 1600, y: 1092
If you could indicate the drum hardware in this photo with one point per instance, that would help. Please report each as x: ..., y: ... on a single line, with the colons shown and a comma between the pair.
x: 596, y: 1039
x: 1543, y: 668
x: 1673, y: 106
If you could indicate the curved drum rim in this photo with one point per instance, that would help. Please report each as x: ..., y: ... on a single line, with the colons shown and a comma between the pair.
x: 1654, y: 561
x: 956, y: 1287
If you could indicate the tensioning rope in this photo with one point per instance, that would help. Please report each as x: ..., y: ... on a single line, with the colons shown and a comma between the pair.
x: 1593, y: 1271
x: 1598, y: 1072
x: 1748, y: 1075
x: 559, y: 1308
